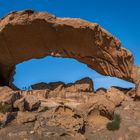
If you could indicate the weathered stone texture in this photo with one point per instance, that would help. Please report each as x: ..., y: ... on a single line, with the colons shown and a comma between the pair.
x: 28, y: 34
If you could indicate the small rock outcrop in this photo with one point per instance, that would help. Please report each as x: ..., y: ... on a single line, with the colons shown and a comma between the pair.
x: 26, y: 117
x: 20, y: 104
x: 101, y: 91
x: 49, y: 86
x: 8, y: 96
x: 83, y: 85
x: 115, y: 95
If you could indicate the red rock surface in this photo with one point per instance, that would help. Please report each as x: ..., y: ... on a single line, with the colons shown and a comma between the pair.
x: 82, y: 85
x: 50, y: 114
x: 28, y: 34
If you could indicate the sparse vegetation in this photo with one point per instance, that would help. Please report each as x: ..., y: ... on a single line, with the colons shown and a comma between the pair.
x: 5, y: 108
x: 115, y: 124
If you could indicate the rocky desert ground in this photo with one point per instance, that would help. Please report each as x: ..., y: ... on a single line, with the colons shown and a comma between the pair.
x: 58, y: 111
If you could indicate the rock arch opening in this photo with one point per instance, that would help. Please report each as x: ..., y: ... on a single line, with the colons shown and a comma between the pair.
x: 53, y: 69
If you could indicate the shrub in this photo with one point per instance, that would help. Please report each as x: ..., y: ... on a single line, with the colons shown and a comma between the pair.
x: 115, y: 124
x: 5, y: 108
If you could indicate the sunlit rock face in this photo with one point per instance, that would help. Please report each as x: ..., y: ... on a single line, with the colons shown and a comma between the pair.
x: 28, y: 34
x: 82, y: 85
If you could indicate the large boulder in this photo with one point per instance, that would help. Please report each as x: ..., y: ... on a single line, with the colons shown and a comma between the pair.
x: 99, y: 105
x: 63, y: 117
x: 31, y: 103
x: 8, y: 96
x: 115, y: 95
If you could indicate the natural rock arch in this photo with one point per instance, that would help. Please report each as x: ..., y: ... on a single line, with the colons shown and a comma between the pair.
x: 28, y: 34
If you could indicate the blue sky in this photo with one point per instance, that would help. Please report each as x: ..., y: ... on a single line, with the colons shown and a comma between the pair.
x: 120, y: 17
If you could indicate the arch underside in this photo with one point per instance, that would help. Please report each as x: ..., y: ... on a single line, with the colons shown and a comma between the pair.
x: 28, y: 34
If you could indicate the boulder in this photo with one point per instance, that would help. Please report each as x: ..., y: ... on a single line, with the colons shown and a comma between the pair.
x: 31, y: 102
x: 62, y: 117
x: 20, y: 104
x: 98, y: 104
x: 115, y: 95
x: 6, y: 118
x: 8, y: 96
x: 25, y: 117
x: 3, y: 117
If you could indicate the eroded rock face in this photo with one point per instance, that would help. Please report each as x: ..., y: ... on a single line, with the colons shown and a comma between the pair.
x: 86, y: 115
x: 20, y: 104
x: 24, y: 117
x: 8, y: 96
x: 115, y: 95
x: 49, y: 86
x: 98, y: 105
x: 101, y: 91
x: 28, y: 34
x: 31, y: 102
x: 82, y: 85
